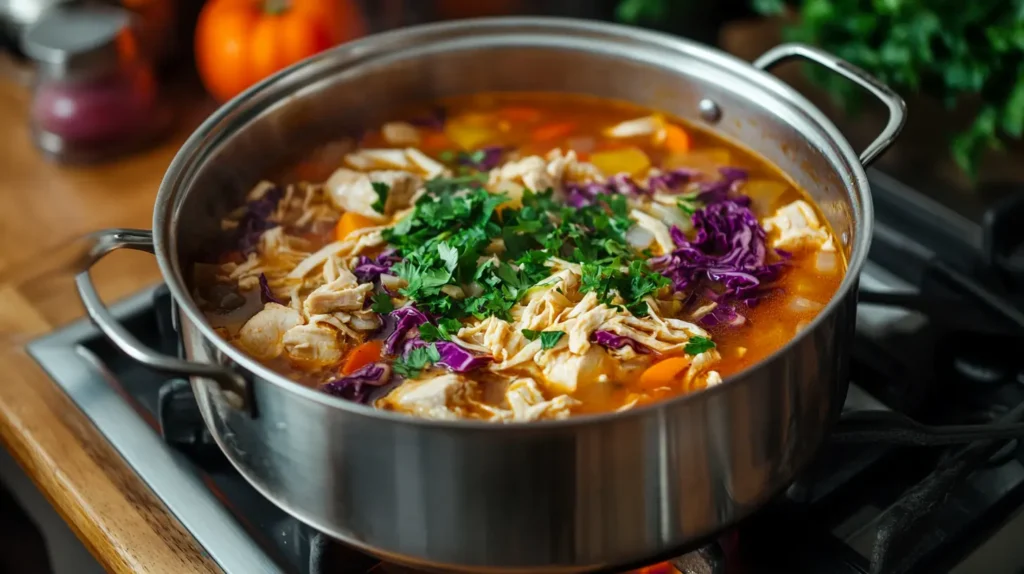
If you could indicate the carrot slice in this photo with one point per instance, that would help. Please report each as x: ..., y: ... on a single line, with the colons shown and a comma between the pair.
x: 435, y: 142
x: 368, y: 352
x: 519, y: 114
x: 553, y: 131
x: 349, y: 222
x: 664, y: 373
x: 676, y: 139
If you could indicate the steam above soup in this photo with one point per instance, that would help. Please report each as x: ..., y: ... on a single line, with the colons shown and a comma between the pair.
x: 522, y: 257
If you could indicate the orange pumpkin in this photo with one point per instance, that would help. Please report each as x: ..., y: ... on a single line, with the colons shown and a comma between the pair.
x: 240, y: 42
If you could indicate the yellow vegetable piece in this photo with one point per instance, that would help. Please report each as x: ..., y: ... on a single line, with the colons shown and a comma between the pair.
x: 349, y: 222
x: 469, y: 137
x: 706, y: 161
x: 629, y: 160
x: 471, y: 131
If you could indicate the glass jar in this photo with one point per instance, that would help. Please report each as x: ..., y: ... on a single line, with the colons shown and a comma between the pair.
x: 95, y: 96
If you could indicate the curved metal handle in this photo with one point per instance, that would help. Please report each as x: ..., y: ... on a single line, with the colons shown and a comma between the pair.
x: 103, y: 242
x: 892, y: 100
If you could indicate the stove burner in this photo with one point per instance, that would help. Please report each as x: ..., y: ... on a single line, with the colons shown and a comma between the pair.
x: 708, y: 559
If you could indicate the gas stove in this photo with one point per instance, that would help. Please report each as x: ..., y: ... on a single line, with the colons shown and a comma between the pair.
x: 936, y: 339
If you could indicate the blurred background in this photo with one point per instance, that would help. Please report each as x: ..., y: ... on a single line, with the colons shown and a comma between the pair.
x: 960, y: 66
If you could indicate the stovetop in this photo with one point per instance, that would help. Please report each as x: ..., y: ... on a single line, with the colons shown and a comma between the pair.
x: 938, y: 340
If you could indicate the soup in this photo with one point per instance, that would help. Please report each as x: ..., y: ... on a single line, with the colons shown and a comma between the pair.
x: 518, y: 257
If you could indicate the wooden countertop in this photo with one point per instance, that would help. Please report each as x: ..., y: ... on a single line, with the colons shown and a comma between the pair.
x: 115, y: 515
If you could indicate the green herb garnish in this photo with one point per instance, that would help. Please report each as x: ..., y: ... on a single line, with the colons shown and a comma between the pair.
x: 688, y: 203
x: 415, y: 361
x: 445, y: 329
x: 697, y: 345
x: 548, y: 339
x: 382, y: 190
x: 445, y: 242
x: 382, y: 303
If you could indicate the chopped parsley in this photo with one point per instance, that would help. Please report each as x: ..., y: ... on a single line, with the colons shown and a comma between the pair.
x: 697, y: 345
x: 415, y: 361
x: 548, y: 339
x: 382, y: 303
x: 445, y: 329
x: 382, y: 190
x: 449, y: 240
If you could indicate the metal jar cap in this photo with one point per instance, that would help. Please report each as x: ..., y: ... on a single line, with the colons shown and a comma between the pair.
x: 78, y: 37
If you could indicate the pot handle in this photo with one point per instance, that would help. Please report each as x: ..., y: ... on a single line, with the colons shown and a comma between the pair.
x: 892, y: 100
x: 98, y: 245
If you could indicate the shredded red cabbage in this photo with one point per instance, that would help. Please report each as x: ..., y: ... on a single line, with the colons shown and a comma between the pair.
x: 406, y: 319
x: 671, y: 181
x: 254, y: 221
x: 728, y: 251
x: 453, y: 357
x: 458, y: 359
x: 357, y: 386
x: 266, y: 294
x: 720, y: 189
x: 612, y: 341
x: 583, y: 194
x: 369, y: 270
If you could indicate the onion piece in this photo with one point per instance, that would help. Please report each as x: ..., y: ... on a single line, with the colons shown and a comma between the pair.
x: 671, y: 215
x: 800, y: 304
x: 826, y: 262
x: 639, y: 127
x: 639, y: 237
x: 400, y: 133
x: 764, y: 193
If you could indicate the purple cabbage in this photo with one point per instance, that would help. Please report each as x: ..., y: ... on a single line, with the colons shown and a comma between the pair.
x: 458, y: 359
x: 489, y: 158
x: 369, y: 270
x: 266, y: 294
x: 583, y: 194
x: 357, y: 386
x: 727, y: 251
x: 255, y: 220
x: 434, y: 120
x: 453, y: 357
x: 671, y: 181
x: 406, y: 319
x: 623, y: 184
x: 721, y: 189
x: 723, y: 314
x: 612, y: 341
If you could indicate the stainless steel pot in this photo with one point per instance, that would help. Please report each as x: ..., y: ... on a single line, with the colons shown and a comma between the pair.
x: 561, y: 496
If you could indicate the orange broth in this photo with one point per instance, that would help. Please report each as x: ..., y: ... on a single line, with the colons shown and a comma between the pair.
x: 534, y: 124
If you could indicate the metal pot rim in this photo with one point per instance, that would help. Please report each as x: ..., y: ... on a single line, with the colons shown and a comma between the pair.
x: 566, y: 30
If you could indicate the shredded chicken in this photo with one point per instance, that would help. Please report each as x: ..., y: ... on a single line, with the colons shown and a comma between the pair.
x: 451, y: 396
x: 351, y: 190
x: 262, y: 335
x: 315, y: 343
x: 539, y: 174
x: 342, y: 294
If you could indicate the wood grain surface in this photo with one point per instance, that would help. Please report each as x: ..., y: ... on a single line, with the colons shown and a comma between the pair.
x: 117, y: 517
